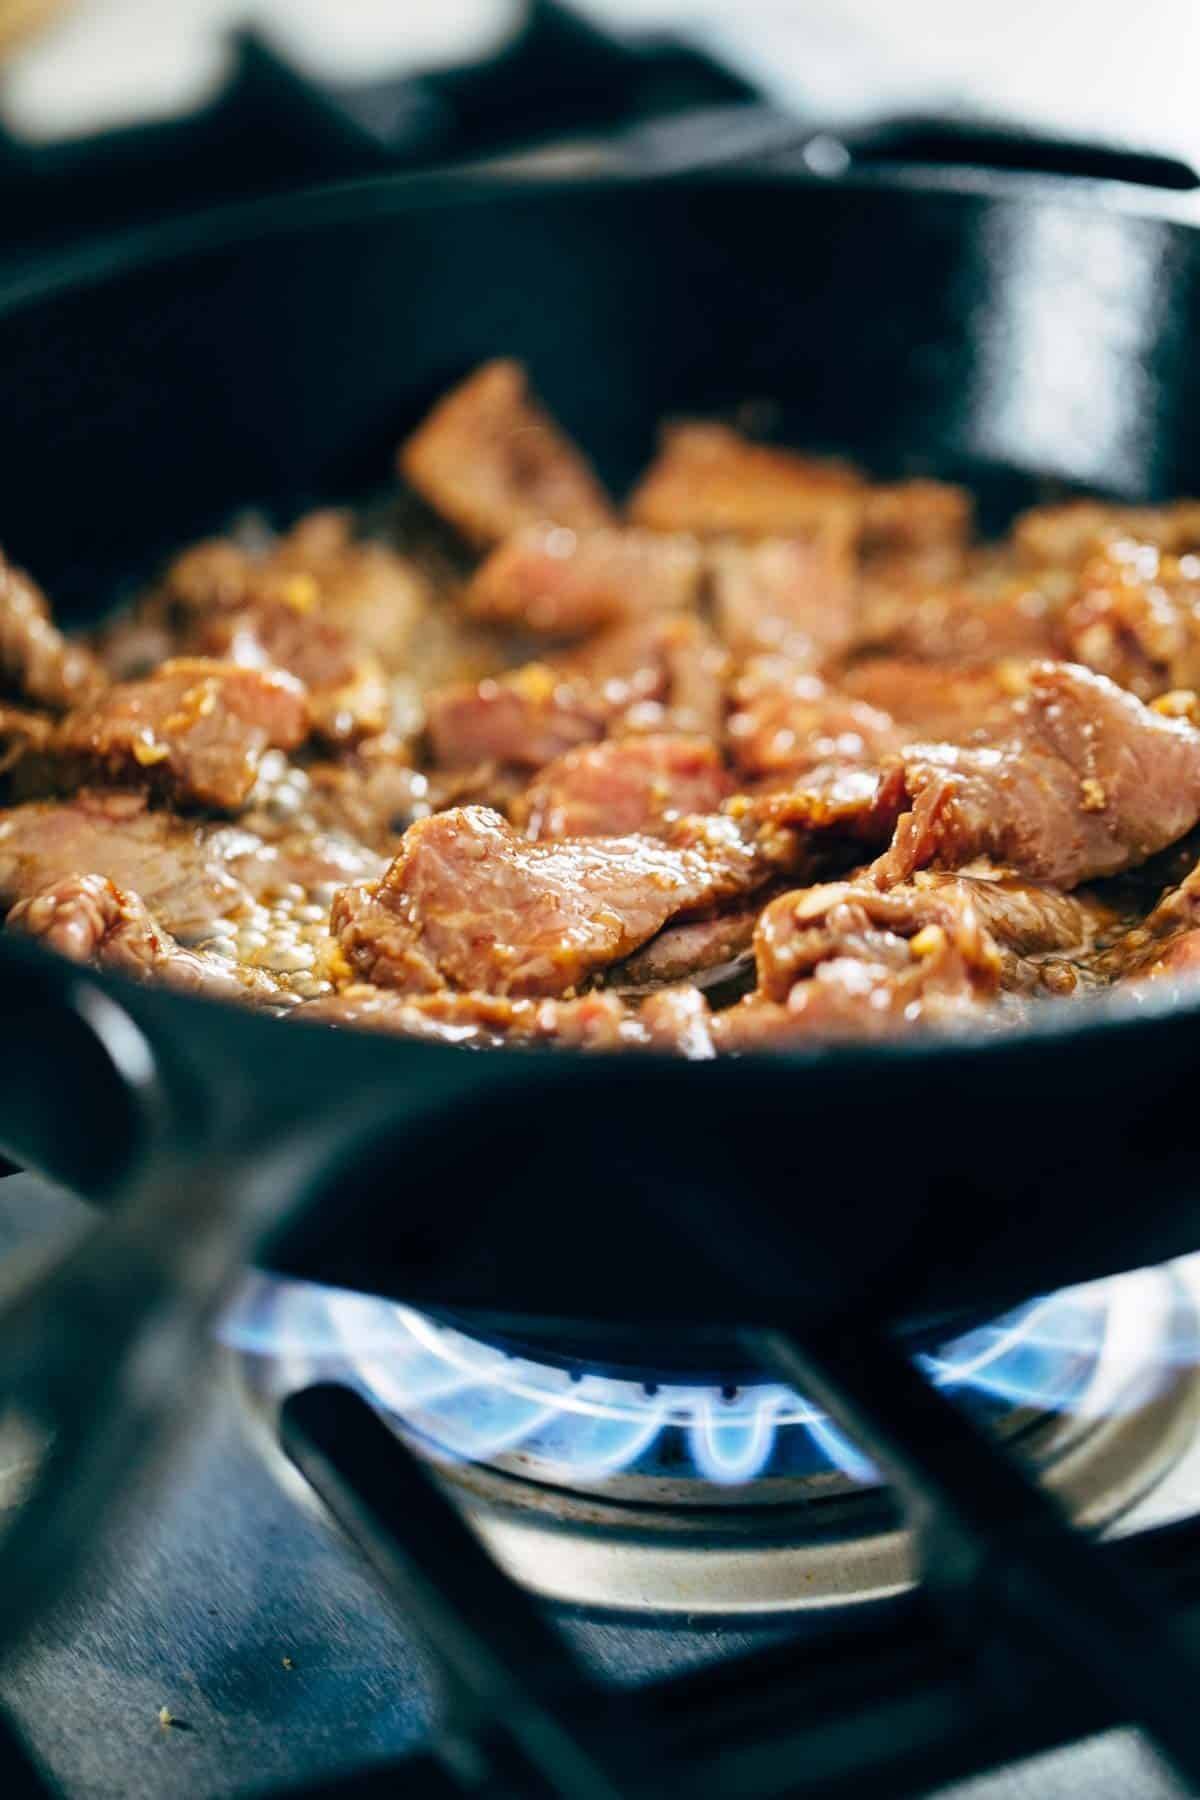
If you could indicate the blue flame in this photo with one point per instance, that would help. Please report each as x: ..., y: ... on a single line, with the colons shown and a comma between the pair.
x: 1088, y: 1350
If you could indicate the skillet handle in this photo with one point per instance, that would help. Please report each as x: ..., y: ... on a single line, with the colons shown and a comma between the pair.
x: 763, y: 135
x: 929, y: 142
x: 79, y: 1087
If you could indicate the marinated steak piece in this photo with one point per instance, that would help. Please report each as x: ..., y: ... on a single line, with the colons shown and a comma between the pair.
x: 972, y: 621
x: 1136, y: 618
x: 916, y: 521
x: 709, y: 952
x: 490, y: 460
x: 660, y: 675
x: 374, y: 793
x: 1085, y: 781
x: 935, y: 930
x: 625, y: 785
x: 481, y: 1021
x: 338, y: 614
x: 792, y: 596
x: 1043, y: 935
x: 211, y: 885
x: 523, y: 719
x: 195, y: 729
x: 786, y: 720
x: 710, y: 480
x: 664, y: 675
x: 548, y: 578
x: 37, y: 663
x: 1064, y: 535
x: 1165, y: 943
x: 469, y: 904
x: 89, y: 919
x: 934, y: 701
x: 348, y: 696
x: 182, y: 870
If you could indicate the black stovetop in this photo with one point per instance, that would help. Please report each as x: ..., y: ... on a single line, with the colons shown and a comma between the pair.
x: 260, y: 1631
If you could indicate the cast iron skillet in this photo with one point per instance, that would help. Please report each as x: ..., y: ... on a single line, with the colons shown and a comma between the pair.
x: 1021, y: 335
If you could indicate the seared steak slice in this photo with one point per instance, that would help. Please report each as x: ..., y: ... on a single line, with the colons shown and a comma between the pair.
x: 912, y: 519
x: 204, y: 883
x: 480, y: 1021
x: 89, y: 919
x: 792, y: 596
x: 935, y: 701
x: 935, y: 929
x: 786, y: 720
x: 625, y: 785
x: 1136, y: 618
x: 522, y: 720
x: 1085, y: 782
x: 710, y: 952
x: 37, y: 663
x: 469, y: 904
x: 710, y: 480
x: 347, y: 694
x: 1065, y: 534
x: 195, y: 730
x: 663, y: 675
x: 548, y: 578
x: 975, y: 620
x: 490, y: 460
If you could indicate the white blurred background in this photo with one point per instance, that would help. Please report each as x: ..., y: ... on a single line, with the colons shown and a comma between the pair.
x: 1101, y: 68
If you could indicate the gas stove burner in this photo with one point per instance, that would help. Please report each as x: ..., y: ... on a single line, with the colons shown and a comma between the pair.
x: 610, y: 1491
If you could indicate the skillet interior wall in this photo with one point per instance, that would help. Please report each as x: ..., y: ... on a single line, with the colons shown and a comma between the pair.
x: 1013, y: 342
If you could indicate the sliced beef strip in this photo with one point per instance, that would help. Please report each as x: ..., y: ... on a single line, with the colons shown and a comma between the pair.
x: 205, y: 884
x: 1084, y: 782
x: 1063, y: 535
x: 895, y: 932
x: 1135, y: 617
x: 713, y: 953
x: 89, y: 919
x: 710, y: 480
x: 1166, y: 942
x: 663, y: 675
x: 844, y: 960
x: 935, y: 701
x: 347, y: 693
x: 991, y: 614
x: 339, y: 614
x: 676, y: 1022
x: 477, y: 1020
x: 916, y: 521
x: 467, y: 903
x: 37, y: 663
x: 793, y: 597
x: 1045, y: 937
x: 490, y: 460
x: 666, y: 674
x: 523, y: 720
x: 625, y: 785
x: 550, y: 579
x: 195, y: 730
x: 786, y: 719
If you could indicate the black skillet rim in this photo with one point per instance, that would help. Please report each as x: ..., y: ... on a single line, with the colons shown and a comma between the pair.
x: 108, y: 258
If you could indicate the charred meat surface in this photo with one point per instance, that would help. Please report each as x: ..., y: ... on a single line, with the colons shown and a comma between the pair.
x: 775, y: 755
